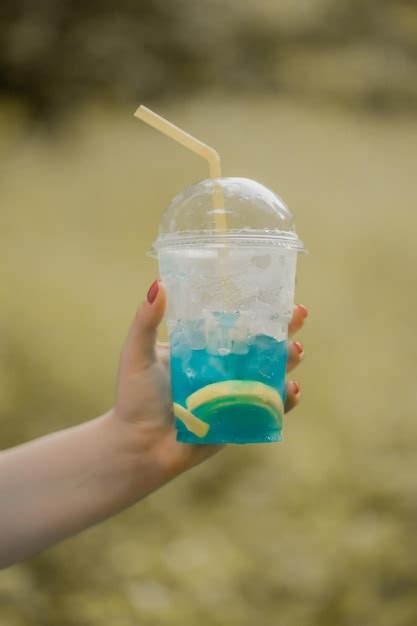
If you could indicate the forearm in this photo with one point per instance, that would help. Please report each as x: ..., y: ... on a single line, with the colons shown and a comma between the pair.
x: 60, y: 484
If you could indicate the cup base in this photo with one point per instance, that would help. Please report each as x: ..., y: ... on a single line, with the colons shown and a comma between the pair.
x: 274, y: 436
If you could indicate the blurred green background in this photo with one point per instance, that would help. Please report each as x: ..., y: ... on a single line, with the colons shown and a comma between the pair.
x: 317, y: 100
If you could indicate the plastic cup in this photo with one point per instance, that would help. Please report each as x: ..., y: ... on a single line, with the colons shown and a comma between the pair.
x: 230, y: 299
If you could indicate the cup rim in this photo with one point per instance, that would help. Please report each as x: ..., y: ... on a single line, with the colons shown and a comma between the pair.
x: 231, y: 238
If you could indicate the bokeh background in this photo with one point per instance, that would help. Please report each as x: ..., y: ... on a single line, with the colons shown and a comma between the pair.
x: 317, y: 100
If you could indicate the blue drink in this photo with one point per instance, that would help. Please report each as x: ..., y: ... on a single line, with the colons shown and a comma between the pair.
x: 227, y: 252
x: 228, y: 396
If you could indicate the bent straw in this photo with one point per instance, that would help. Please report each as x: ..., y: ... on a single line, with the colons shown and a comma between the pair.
x: 195, y: 145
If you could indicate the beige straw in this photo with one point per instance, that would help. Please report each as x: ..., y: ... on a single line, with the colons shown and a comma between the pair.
x: 195, y: 145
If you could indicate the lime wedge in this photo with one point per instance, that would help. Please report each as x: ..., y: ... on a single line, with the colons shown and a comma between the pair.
x: 222, y: 410
x: 192, y: 423
x: 229, y: 392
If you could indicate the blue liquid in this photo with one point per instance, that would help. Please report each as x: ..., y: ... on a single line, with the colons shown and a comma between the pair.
x: 232, y: 420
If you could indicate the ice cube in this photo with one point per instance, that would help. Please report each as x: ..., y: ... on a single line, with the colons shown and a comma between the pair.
x: 227, y: 320
x: 263, y: 342
x: 218, y: 338
x: 196, y: 334
x: 214, y: 369
x: 240, y: 340
x: 190, y: 373
x: 179, y: 343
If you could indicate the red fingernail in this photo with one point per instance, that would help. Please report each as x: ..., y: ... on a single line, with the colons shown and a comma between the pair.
x: 153, y: 291
x: 303, y: 310
x: 296, y: 387
x: 297, y: 345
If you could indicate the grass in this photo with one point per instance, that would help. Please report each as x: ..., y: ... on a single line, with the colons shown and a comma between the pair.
x: 318, y: 530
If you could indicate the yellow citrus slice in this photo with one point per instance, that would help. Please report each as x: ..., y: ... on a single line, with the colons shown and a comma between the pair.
x: 242, y: 391
x: 192, y: 423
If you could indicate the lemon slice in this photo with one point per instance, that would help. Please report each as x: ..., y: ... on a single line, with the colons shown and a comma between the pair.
x: 238, y: 391
x: 192, y: 423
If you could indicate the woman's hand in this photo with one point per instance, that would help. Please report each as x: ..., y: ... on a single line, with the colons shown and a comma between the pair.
x: 60, y: 484
x: 143, y: 388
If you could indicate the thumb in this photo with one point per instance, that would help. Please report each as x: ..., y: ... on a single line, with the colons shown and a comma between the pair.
x: 139, y: 349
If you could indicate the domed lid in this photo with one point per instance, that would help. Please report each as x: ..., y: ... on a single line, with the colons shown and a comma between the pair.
x: 250, y: 214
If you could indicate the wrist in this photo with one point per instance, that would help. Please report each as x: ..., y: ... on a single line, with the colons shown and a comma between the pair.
x: 145, y: 451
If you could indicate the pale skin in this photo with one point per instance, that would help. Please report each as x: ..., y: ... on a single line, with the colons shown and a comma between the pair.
x: 56, y: 486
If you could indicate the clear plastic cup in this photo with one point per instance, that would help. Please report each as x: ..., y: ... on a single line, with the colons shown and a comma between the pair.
x: 230, y: 299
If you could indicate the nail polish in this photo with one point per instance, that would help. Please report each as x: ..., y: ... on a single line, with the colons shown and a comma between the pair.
x: 296, y: 387
x: 153, y: 291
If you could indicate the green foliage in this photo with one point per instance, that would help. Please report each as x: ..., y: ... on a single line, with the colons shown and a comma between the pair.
x: 56, y: 56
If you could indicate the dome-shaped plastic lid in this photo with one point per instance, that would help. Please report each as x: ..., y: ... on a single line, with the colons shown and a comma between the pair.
x: 224, y: 211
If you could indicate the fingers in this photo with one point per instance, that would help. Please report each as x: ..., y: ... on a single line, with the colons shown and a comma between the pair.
x: 295, y: 355
x: 139, y: 349
x: 298, y: 317
x: 292, y: 395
